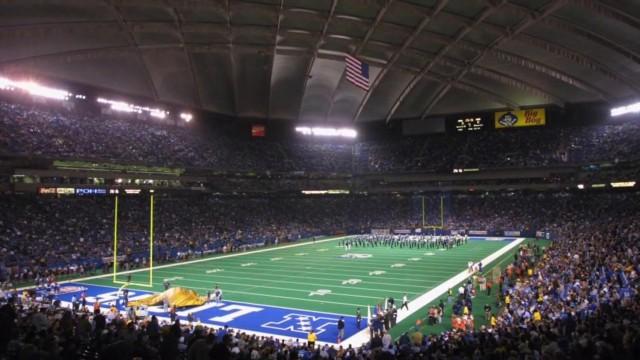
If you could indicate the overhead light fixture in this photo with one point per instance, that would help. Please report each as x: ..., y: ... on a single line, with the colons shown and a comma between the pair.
x: 186, y: 117
x: 326, y: 131
x: 623, y: 110
x: 35, y: 89
x: 623, y: 184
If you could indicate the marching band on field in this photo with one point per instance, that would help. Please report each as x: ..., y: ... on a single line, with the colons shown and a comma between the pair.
x: 405, y: 241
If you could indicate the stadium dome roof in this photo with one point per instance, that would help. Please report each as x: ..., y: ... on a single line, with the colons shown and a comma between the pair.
x: 284, y: 59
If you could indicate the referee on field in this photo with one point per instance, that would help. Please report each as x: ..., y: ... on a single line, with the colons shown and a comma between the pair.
x: 340, y: 329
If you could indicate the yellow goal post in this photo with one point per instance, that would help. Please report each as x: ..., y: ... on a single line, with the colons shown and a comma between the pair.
x: 115, y: 246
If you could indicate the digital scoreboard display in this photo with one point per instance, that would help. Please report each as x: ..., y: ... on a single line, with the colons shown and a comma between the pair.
x: 469, y: 124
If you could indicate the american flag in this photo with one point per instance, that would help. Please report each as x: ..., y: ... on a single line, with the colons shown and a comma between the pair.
x: 357, y: 72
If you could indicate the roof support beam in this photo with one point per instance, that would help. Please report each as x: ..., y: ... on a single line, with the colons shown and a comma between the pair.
x: 563, y: 25
x: 525, y: 23
x: 132, y: 41
x: 232, y: 63
x: 316, y: 49
x: 416, y: 32
x: 187, y: 54
x: 273, y: 57
x: 416, y: 79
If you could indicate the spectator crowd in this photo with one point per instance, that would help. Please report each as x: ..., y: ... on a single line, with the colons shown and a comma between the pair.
x: 60, y: 134
x: 577, y: 299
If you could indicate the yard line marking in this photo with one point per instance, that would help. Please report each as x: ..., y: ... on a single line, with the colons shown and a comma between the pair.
x: 213, y: 271
x: 300, y: 274
x: 328, y: 282
x: 351, y: 282
x: 320, y: 292
x: 252, y: 252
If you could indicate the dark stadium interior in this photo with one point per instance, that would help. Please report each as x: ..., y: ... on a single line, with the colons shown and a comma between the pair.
x: 203, y: 105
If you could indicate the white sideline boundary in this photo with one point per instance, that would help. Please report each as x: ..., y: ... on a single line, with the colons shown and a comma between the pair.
x: 213, y: 258
x: 363, y: 336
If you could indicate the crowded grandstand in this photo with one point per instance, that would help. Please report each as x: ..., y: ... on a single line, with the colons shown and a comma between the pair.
x: 335, y: 179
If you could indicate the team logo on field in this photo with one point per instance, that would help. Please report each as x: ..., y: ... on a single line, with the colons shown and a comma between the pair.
x: 351, y: 282
x: 301, y: 323
x: 356, y: 256
x: 68, y: 289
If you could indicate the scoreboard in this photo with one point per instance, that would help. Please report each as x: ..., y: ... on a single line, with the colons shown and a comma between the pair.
x: 468, y: 123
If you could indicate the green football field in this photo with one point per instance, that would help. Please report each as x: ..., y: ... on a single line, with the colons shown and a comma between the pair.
x: 317, y: 276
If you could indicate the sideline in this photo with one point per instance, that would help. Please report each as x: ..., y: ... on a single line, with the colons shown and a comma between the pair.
x: 415, y: 305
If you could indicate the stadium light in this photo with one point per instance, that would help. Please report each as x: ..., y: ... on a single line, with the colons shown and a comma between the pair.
x: 34, y: 89
x: 623, y: 110
x: 186, y: 117
x: 159, y: 114
x: 133, y: 108
x: 325, y: 131
x: 623, y: 184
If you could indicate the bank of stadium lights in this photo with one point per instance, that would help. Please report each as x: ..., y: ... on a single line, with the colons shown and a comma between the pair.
x: 132, y: 108
x: 34, y: 89
x: 186, y: 117
x: 328, y: 132
x: 623, y: 110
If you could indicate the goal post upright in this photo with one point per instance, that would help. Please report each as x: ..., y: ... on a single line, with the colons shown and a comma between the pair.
x: 434, y: 227
x: 151, y: 206
x: 115, y: 245
x: 115, y: 239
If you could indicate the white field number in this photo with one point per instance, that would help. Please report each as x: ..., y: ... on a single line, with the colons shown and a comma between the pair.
x: 238, y: 311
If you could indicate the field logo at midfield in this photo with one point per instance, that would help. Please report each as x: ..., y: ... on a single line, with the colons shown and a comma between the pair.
x: 398, y: 265
x: 213, y: 271
x: 377, y: 272
x: 300, y: 323
x: 320, y: 292
x: 356, y: 256
x: 351, y: 282
x: 248, y: 264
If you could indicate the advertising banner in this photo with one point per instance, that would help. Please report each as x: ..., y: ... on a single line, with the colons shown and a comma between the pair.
x: 520, y: 118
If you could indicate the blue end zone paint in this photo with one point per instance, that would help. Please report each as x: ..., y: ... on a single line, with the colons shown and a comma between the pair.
x: 283, y: 322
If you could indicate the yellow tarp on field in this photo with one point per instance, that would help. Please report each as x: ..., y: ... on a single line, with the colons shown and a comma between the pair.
x: 180, y: 297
